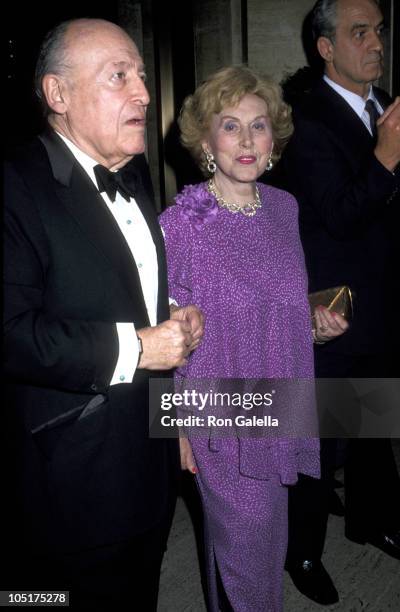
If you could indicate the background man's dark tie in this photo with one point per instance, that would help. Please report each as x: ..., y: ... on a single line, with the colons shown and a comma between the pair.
x: 374, y: 115
x: 111, y: 182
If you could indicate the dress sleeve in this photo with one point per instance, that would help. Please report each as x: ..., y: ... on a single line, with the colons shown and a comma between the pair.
x: 178, y: 236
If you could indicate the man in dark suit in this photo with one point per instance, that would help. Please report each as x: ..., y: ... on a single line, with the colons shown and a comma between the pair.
x: 342, y: 166
x: 87, y: 325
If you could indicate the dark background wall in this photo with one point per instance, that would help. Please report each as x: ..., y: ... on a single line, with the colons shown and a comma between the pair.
x: 181, y: 41
x: 23, y: 30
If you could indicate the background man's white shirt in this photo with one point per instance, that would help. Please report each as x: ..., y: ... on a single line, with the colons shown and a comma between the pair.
x: 356, y: 102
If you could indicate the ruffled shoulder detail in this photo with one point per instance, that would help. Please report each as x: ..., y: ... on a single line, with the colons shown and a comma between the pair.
x: 197, y: 205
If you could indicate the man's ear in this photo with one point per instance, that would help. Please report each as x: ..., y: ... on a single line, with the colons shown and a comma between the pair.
x: 325, y: 48
x: 54, y: 92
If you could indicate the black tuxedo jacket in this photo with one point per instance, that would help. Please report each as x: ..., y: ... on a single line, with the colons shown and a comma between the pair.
x: 82, y: 477
x: 348, y: 204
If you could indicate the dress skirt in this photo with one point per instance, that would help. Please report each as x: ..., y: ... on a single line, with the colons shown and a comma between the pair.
x: 245, y: 529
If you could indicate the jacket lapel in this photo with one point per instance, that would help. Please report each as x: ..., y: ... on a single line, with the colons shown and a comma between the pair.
x: 144, y: 201
x: 383, y: 98
x: 353, y: 136
x: 79, y: 195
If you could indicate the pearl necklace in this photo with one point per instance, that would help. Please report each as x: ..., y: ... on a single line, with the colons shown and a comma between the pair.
x: 249, y: 210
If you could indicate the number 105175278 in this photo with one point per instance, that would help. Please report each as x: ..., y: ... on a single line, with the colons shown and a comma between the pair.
x: 34, y: 598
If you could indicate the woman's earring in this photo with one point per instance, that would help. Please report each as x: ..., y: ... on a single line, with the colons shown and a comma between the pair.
x: 270, y: 163
x: 211, y: 165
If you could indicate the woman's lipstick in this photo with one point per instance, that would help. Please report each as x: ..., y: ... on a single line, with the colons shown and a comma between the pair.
x: 248, y: 159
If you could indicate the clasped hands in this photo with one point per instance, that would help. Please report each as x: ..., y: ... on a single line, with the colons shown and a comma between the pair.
x: 168, y: 344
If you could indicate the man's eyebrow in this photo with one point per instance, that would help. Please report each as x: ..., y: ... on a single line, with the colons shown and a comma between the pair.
x: 359, y: 25
x: 123, y: 64
x: 356, y: 26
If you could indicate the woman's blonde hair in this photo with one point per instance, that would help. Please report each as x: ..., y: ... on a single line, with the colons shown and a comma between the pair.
x: 226, y: 88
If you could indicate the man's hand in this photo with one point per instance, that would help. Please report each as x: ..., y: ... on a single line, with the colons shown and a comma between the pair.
x: 387, y: 149
x: 165, y: 346
x: 192, y: 315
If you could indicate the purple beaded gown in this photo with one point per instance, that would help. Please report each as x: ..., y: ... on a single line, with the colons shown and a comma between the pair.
x: 247, y: 275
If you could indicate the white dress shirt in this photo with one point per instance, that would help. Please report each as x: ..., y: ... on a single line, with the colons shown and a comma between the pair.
x: 356, y: 102
x: 134, y: 228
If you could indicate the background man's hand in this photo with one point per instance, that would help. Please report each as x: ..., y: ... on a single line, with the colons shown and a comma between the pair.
x: 165, y: 346
x: 387, y: 149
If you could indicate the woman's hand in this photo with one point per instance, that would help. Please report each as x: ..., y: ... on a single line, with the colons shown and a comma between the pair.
x: 187, y: 459
x: 192, y: 315
x: 328, y: 325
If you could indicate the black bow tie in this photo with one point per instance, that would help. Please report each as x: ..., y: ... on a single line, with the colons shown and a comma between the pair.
x: 111, y: 182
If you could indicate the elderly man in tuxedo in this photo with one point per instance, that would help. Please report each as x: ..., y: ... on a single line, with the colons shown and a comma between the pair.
x: 87, y: 325
x: 342, y: 166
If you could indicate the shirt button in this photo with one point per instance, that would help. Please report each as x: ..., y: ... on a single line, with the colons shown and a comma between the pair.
x: 129, y: 221
x: 122, y: 378
x: 93, y: 387
x: 140, y: 265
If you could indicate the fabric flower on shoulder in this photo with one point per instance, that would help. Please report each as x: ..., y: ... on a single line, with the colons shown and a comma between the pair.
x: 197, y: 205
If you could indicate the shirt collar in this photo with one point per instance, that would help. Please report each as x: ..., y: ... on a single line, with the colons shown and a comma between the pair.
x: 82, y: 158
x: 356, y: 102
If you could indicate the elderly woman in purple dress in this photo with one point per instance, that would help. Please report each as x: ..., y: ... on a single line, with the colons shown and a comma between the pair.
x: 233, y: 249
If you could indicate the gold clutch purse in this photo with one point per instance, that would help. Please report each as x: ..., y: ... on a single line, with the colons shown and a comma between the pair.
x: 336, y: 299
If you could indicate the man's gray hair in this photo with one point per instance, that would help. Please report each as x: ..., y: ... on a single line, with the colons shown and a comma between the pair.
x: 52, y: 57
x: 324, y: 19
